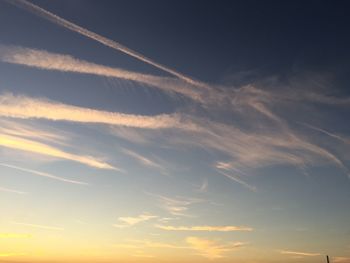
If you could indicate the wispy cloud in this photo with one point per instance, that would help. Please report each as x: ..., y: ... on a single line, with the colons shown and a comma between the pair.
x: 131, y: 221
x: 143, y: 160
x: 3, y: 189
x: 18, y: 143
x: 16, y: 128
x: 253, y: 149
x: 32, y: 108
x: 298, y: 253
x: 205, y: 228
x: 38, y: 173
x: 103, y: 40
x: 203, y: 187
x: 177, y: 206
x: 212, y: 249
x: 52, y: 61
x: 139, y: 244
x: 238, y: 180
x: 330, y: 134
x: 39, y: 226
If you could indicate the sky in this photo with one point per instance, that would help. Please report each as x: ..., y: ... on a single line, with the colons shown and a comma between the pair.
x: 174, y: 131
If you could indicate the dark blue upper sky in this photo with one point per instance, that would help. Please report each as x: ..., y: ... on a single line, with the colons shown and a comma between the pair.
x: 210, y: 40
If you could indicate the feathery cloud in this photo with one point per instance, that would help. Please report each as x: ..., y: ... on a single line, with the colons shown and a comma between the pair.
x: 176, y: 206
x: 143, y: 160
x: 204, y: 186
x: 238, y: 180
x: 45, y: 149
x: 103, y: 40
x: 298, y: 253
x: 211, y: 249
x: 330, y: 134
x: 38, y: 173
x: 140, y: 244
x: 205, y: 228
x: 131, y: 221
x: 52, y: 61
x: 16, y: 128
x: 31, y: 108
x: 3, y: 189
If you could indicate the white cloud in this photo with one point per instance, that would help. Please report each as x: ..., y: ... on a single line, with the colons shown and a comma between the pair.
x: 143, y: 160
x: 211, y: 249
x: 38, y: 173
x: 32, y: 108
x: 177, y: 206
x: 51, y: 61
x: 3, y: 189
x: 21, y: 144
x: 298, y: 253
x: 131, y: 221
x: 206, y: 228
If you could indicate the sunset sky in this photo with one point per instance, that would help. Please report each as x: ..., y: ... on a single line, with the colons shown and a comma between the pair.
x: 174, y: 131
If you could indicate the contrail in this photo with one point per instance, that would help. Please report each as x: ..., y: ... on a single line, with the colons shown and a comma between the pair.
x: 33, y: 108
x: 53, y: 61
x: 37, y: 10
x: 327, y: 133
x: 42, y: 174
x: 11, y: 191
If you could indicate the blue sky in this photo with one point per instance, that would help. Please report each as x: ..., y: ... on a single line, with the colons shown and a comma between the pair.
x: 174, y: 131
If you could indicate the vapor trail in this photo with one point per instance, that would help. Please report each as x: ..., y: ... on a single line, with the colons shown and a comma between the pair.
x: 335, y: 136
x: 37, y: 10
x: 53, y: 61
x: 33, y: 108
x: 11, y: 191
x: 42, y: 174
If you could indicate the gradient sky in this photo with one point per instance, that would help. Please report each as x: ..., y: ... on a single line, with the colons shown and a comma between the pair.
x: 206, y: 132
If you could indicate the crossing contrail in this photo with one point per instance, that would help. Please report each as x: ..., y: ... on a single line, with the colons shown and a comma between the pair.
x: 37, y: 10
x: 53, y: 61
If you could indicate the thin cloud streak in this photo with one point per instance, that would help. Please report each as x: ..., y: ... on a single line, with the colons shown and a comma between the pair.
x: 34, y: 172
x: 21, y: 130
x: 257, y: 149
x: 297, y: 253
x: 335, y: 136
x: 206, y: 228
x: 238, y: 180
x: 17, y: 143
x: 52, y: 61
x: 103, y: 40
x: 131, y: 221
x: 142, y: 159
x: 176, y: 206
x: 3, y: 189
x: 141, y: 244
x: 212, y: 249
x: 32, y: 108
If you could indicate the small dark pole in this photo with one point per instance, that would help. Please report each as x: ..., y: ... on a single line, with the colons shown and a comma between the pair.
x: 327, y: 259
